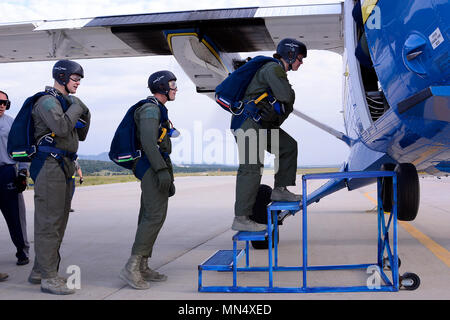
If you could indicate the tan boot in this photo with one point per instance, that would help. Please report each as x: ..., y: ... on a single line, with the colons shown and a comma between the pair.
x: 149, y: 274
x: 243, y: 223
x: 283, y: 194
x: 55, y: 285
x: 36, y: 278
x: 3, y: 276
x: 131, y: 274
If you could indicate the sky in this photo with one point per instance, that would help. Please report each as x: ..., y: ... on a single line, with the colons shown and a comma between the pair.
x: 112, y: 85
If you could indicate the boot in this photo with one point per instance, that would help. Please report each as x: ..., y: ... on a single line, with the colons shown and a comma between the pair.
x: 243, y: 223
x: 131, y: 274
x: 3, y: 276
x: 36, y: 278
x: 283, y: 194
x: 55, y: 285
x: 149, y: 274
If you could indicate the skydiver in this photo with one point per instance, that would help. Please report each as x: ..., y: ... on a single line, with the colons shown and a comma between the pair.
x: 271, y: 76
x: 155, y: 171
x: 61, y: 120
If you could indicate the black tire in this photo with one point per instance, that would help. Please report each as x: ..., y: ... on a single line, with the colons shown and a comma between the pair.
x: 409, y: 281
x: 408, y: 191
x: 261, y: 245
x: 386, y: 263
x: 387, y: 193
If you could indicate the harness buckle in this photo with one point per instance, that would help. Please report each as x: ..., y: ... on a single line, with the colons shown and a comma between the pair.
x: 139, y: 154
x: 48, y: 138
x: 239, y: 107
x: 273, y: 101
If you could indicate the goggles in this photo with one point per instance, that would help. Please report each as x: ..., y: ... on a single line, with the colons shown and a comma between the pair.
x: 75, y: 79
x: 6, y: 103
x: 173, y: 85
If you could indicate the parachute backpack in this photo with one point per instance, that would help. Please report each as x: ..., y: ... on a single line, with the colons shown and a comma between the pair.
x: 125, y: 146
x: 21, y: 142
x: 230, y: 92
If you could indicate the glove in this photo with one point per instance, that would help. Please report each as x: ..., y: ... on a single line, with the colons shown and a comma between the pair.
x: 81, y: 180
x: 268, y: 113
x: 171, y: 189
x: 21, y: 181
x: 164, y: 180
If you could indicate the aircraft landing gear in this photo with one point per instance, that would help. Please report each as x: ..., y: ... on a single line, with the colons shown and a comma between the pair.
x: 408, y: 190
x: 409, y: 281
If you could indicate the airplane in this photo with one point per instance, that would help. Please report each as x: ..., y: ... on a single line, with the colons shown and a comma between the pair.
x: 395, y: 58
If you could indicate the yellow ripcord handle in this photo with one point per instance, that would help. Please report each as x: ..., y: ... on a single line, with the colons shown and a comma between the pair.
x: 258, y: 100
x: 163, y: 134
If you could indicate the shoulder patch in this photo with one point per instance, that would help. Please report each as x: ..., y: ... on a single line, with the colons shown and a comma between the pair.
x: 150, y: 111
x: 48, y: 102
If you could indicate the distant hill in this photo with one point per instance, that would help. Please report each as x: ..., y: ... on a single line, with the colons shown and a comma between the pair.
x: 102, y: 157
x: 98, y: 167
x: 100, y: 164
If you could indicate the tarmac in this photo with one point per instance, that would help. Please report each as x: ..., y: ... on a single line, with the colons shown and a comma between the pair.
x: 342, y: 229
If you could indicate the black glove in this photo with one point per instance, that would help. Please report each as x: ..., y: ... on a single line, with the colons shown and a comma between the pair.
x: 81, y: 180
x: 21, y: 181
x: 268, y: 113
x: 171, y: 189
x: 164, y: 180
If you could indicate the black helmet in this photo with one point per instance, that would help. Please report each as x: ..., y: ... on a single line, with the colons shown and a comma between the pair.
x: 64, y: 68
x: 289, y: 49
x: 158, y: 82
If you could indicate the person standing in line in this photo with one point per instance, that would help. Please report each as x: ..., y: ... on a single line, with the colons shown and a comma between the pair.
x: 13, y: 181
x: 155, y: 171
x: 60, y: 120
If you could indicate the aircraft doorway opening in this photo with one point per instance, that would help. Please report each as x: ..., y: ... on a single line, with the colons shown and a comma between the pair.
x: 375, y: 98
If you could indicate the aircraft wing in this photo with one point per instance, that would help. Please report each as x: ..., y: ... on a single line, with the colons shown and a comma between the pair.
x: 205, y: 42
x: 232, y: 30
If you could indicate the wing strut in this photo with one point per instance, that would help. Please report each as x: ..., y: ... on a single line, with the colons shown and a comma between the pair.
x: 337, y: 134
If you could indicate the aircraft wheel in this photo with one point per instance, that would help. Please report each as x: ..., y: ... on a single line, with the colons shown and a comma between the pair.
x: 408, y: 194
x: 260, y: 245
x: 409, y: 281
x: 387, y: 187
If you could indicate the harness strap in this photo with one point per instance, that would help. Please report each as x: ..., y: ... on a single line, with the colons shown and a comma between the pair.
x: 56, y: 152
x: 250, y: 110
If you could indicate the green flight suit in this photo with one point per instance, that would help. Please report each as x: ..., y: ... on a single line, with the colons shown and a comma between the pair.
x: 53, y: 185
x: 153, y: 210
x: 248, y: 179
